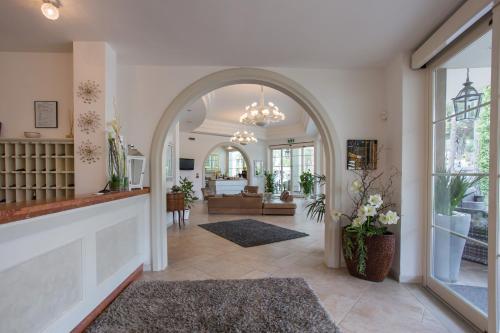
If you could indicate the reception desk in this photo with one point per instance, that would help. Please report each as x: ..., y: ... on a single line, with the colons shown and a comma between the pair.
x: 221, y: 186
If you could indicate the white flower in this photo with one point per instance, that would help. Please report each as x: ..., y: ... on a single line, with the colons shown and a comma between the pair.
x: 336, y: 215
x: 389, y: 218
x: 367, y: 210
x: 356, y: 186
x: 375, y: 200
x: 358, y: 221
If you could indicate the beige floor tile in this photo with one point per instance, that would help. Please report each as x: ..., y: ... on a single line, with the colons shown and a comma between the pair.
x: 355, y: 305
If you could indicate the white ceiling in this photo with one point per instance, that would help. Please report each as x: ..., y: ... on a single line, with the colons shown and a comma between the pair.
x: 228, y: 104
x: 286, y: 33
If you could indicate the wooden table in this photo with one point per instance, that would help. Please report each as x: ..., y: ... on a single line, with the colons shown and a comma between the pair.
x: 175, y: 203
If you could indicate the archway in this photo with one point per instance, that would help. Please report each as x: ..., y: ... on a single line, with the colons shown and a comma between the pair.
x: 236, y: 147
x: 244, y: 76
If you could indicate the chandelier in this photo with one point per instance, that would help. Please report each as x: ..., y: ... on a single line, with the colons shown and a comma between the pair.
x: 243, y: 137
x: 467, y: 99
x: 261, y: 114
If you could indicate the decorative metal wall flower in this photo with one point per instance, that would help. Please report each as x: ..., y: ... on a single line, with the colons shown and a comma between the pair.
x: 88, y: 121
x: 89, y: 152
x: 88, y: 91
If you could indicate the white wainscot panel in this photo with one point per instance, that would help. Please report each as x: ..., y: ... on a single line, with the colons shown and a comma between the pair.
x: 55, y: 269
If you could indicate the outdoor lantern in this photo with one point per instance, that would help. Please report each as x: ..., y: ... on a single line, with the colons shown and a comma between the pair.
x: 467, y: 99
x: 136, y: 163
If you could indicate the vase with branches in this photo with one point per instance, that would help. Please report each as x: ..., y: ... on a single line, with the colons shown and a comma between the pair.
x: 117, y: 158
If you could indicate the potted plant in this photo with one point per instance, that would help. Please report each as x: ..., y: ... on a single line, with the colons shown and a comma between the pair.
x: 307, y: 183
x: 317, y: 207
x: 449, y: 191
x: 368, y: 245
x: 269, y: 186
x: 186, y: 186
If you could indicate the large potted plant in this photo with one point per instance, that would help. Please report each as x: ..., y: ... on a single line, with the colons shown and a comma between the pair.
x: 269, y: 185
x: 186, y: 186
x: 307, y: 183
x: 368, y: 245
x: 449, y: 191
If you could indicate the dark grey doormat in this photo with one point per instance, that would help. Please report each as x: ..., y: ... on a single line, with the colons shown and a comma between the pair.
x: 475, y: 295
x: 249, y: 232
x: 262, y: 305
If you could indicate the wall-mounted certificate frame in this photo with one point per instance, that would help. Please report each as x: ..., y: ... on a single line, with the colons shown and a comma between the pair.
x: 46, y: 114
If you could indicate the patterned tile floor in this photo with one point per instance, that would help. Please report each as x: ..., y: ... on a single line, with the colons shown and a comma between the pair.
x: 355, y: 305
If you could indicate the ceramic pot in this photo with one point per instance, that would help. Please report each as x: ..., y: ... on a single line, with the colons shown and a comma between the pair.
x: 380, y: 254
x: 448, y: 249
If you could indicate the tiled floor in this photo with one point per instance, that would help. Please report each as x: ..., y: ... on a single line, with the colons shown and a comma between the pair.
x: 355, y: 305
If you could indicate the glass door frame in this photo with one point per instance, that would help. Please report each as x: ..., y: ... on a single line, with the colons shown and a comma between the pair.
x: 469, y: 312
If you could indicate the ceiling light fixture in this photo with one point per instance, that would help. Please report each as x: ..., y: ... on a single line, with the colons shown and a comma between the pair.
x: 261, y: 114
x: 243, y: 137
x: 50, y: 9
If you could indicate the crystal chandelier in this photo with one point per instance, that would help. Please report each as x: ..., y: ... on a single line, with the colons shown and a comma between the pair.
x: 243, y: 137
x: 261, y: 114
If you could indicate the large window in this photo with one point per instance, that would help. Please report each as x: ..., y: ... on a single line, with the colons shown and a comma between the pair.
x: 289, y: 163
x: 236, y: 163
x: 460, y: 177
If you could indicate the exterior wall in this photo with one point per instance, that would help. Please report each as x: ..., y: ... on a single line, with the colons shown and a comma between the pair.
x: 59, y: 267
x: 27, y: 77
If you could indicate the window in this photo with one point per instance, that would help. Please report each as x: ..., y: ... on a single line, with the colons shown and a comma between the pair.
x: 236, y: 163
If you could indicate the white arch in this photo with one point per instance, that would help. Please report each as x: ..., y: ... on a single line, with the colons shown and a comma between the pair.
x: 237, y: 147
x: 244, y: 76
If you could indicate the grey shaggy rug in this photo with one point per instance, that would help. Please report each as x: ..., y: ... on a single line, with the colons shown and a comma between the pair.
x: 261, y: 305
x: 248, y: 232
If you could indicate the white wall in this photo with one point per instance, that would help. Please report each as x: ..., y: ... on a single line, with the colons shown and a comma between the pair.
x: 26, y: 77
x: 203, y: 145
x: 407, y: 150
x: 353, y: 98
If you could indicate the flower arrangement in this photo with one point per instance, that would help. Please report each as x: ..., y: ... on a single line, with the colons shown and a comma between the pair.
x: 370, y: 217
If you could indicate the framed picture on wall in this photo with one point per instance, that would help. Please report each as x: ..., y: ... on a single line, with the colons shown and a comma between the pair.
x: 258, y: 167
x: 361, y: 154
x: 46, y: 114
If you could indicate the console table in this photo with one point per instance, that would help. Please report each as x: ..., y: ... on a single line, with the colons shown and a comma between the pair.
x: 175, y: 203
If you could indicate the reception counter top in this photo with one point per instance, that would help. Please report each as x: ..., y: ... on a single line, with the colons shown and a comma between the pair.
x: 12, y: 212
x: 229, y: 186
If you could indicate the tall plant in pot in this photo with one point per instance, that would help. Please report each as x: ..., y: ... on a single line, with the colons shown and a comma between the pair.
x: 368, y: 245
x: 186, y: 186
x: 307, y: 183
x: 449, y: 191
x: 270, y: 184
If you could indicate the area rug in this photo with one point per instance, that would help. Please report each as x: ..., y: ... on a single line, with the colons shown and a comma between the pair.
x: 478, y: 296
x: 248, y: 232
x: 260, y: 305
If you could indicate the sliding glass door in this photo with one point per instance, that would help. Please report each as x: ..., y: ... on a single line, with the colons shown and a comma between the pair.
x: 289, y: 163
x: 459, y: 179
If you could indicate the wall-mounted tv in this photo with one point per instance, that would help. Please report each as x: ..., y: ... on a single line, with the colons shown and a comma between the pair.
x: 186, y: 164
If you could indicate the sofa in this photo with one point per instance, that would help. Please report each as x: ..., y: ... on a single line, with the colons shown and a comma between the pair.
x: 249, y: 204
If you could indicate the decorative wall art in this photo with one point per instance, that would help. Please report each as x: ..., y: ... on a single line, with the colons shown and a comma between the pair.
x: 88, y: 121
x: 89, y: 91
x: 361, y: 154
x: 46, y: 114
x: 89, y: 152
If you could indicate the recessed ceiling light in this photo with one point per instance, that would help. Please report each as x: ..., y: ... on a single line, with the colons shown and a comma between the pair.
x: 189, y: 110
x: 189, y: 121
x: 50, y: 10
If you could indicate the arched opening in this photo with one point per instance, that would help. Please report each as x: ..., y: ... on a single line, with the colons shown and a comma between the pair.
x: 223, y: 168
x: 241, y: 76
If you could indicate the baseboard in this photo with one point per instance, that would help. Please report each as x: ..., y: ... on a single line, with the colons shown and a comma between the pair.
x: 107, y: 301
x: 411, y: 279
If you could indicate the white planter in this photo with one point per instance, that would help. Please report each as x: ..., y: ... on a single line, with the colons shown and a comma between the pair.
x: 186, y: 214
x: 448, y: 249
x: 268, y: 196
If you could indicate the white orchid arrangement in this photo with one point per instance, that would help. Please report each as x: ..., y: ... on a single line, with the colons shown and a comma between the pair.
x: 371, y: 214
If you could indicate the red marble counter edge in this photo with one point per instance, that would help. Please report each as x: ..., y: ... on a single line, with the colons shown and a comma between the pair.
x: 20, y: 211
